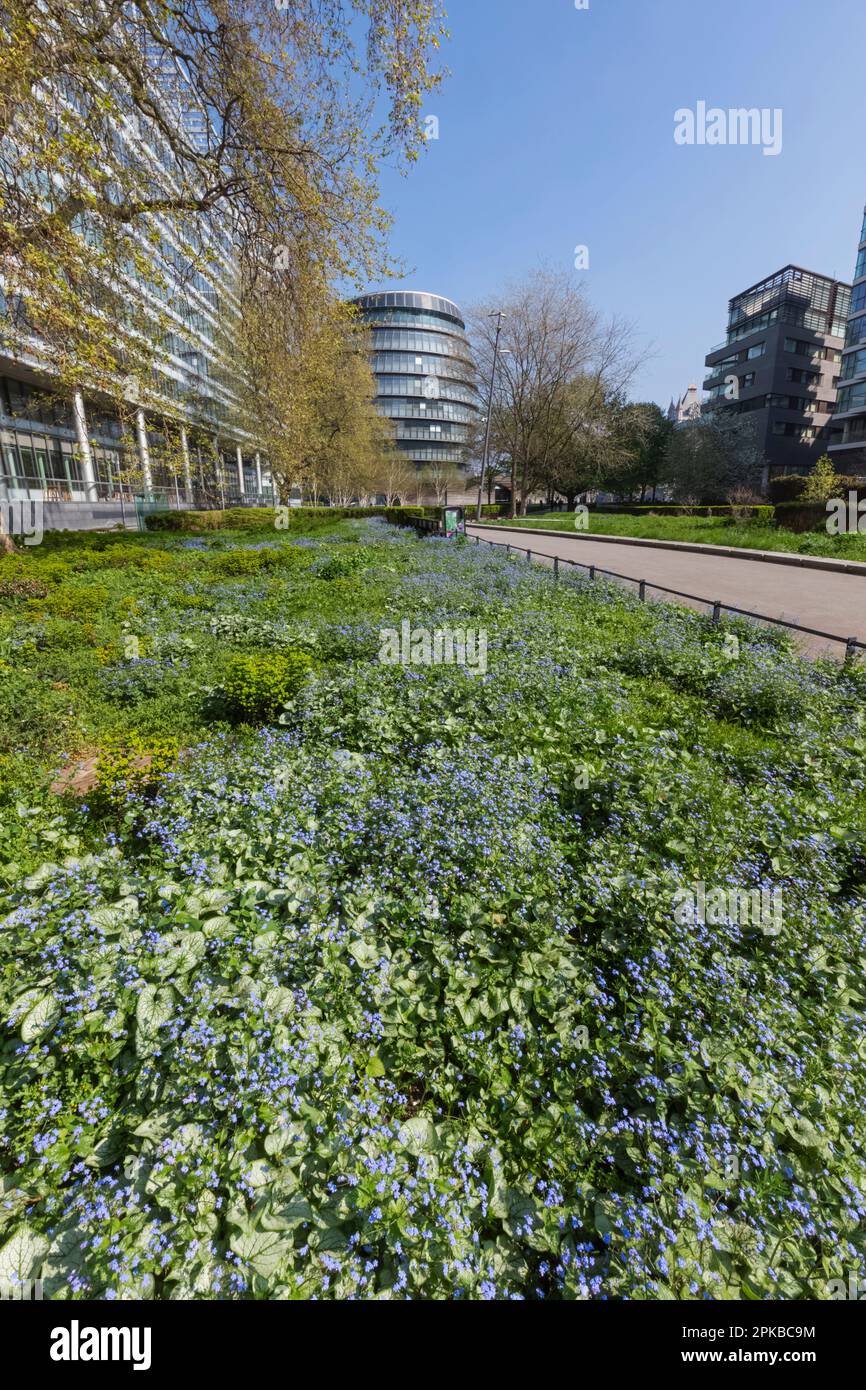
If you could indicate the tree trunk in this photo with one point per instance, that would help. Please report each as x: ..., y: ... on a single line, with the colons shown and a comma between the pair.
x: 7, y: 545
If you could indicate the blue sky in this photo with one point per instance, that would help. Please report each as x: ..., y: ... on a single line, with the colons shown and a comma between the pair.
x: 556, y: 129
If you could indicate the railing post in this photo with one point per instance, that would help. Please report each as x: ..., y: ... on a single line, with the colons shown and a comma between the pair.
x: 717, y: 612
x: 529, y: 556
x: 642, y: 591
x: 592, y: 571
x: 851, y: 650
x: 556, y: 566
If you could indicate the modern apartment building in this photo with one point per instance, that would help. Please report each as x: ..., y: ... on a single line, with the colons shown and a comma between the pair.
x: 848, y: 442
x: 424, y: 374
x: 87, y: 448
x: 781, y: 361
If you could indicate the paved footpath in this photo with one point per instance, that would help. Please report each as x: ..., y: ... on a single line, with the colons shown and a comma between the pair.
x: 821, y: 599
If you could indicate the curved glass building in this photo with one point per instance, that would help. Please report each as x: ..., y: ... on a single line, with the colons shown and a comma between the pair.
x: 424, y: 373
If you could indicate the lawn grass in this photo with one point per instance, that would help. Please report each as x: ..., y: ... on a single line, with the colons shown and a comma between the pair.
x: 704, y: 530
x: 348, y: 979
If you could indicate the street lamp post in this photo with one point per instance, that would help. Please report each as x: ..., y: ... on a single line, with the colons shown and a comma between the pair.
x: 499, y: 316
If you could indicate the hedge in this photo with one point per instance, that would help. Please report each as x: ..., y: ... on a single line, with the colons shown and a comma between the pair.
x: 802, y: 516
x: 263, y: 518
x: 789, y: 487
x: 758, y: 511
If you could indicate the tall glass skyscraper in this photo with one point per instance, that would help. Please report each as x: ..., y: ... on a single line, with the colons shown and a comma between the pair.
x: 424, y: 374
x: 848, y: 449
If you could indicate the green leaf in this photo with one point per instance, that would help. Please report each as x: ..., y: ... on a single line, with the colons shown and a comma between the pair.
x: 186, y: 950
x: 805, y: 1136
x: 263, y: 1251
x: 41, y: 1018
x: 153, y: 1011
x: 366, y: 953
x: 521, y: 1215
x: 286, y: 1217
x: 63, y: 1258
x: 116, y: 915
x: 109, y: 1150
x: 21, y: 1256
x: 418, y: 1134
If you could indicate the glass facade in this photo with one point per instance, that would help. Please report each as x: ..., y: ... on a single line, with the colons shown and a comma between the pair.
x: 786, y: 331
x: 850, y: 420
x: 195, y: 383
x: 424, y: 373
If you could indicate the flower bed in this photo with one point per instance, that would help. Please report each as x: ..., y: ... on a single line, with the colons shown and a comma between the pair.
x: 390, y: 996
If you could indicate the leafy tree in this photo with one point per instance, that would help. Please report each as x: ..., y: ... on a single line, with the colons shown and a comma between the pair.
x: 580, y: 456
x: 349, y: 441
x: 644, y: 433
x: 707, y: 459
x: 108, y: 198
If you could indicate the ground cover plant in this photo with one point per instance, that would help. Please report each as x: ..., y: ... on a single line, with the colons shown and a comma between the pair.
x: 706, y: 530
x: 340, y: 979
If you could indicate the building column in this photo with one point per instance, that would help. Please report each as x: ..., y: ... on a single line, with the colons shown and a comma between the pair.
x: 88, y: 473
x: 259, y: 473
x: 187, y: 471
x: 143, y: 450
x: 241, y: 488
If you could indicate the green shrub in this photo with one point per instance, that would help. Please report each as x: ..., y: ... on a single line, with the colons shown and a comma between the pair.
x: 244, y: 562
x: 119, y: 556
x: 80, y: 601
x: 758, y: 512
x: 792, y: 487
x: 342, y: 566
x: 787, y: 488
x: 823, y: 482
x: 258, y: 686
x: 129, y: 765
x: 802, y: 516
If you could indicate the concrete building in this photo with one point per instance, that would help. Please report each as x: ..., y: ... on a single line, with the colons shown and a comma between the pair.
x: 781, y: 361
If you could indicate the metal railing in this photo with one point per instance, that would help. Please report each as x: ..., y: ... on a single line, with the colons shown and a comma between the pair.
x: 852, y: 645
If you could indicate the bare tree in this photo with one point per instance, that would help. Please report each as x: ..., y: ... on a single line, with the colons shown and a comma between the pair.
x: 394, y: 477
x: 442, y: 478
x: 551, y: 338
